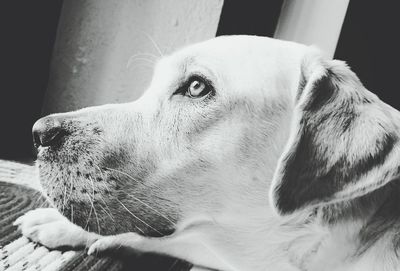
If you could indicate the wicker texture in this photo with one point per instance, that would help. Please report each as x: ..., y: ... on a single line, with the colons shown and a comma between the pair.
x: 18, y: 253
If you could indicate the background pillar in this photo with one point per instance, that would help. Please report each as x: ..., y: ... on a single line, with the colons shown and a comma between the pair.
x: 92, y: 62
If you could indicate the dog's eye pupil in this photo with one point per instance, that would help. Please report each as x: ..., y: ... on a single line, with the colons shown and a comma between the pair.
x: 197, y: 89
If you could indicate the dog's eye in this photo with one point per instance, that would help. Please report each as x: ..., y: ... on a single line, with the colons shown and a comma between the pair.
x: 197, y: 88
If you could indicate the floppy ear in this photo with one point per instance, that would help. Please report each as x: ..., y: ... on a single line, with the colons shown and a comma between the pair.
x: 343, y: 142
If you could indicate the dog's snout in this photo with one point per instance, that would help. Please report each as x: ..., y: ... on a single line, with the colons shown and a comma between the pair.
x: 47, y: 131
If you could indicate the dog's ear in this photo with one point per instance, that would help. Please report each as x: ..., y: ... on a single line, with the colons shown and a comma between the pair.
x: 343, y: 141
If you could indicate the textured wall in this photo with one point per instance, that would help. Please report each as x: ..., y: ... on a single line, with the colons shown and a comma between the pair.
x: 92, y: 61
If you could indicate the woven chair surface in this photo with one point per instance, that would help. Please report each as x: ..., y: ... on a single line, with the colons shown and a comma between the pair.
x: 17, y: 196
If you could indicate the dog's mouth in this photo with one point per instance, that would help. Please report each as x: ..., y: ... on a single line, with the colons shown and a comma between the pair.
x: 99, y: 196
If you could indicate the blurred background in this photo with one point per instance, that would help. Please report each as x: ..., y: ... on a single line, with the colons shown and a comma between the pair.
x: 59, y: 55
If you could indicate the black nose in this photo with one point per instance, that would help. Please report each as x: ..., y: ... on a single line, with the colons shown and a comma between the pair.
x: 47, y: 131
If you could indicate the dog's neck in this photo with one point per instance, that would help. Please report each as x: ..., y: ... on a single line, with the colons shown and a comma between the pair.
x: 363, y: 232
x: 378, y: 213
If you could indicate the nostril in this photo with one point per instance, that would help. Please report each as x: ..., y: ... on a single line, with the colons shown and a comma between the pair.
x: 47, y: 132
x: 36, y: 138
x: 50, y: 137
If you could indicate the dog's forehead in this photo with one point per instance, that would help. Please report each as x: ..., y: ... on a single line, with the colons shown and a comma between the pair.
x: 240, y: 60
x: 242, y: 48
x: 238, y: 50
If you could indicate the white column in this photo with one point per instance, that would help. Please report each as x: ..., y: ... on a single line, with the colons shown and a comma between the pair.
x: 312, y: 22
x: 97, y: 38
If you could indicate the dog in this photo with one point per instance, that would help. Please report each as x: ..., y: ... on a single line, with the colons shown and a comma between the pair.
x: 245, y: 153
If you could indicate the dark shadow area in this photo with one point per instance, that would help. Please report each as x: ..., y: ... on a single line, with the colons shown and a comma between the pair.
x: 147, y: 261
x: 17, y: 200
x: 249, y: 17
x: 369, y: 43
x: 28, y: 30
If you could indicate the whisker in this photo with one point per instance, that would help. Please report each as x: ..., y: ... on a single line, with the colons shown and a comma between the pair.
x: 72, y: 213
x: 58, y: 185
x: 103, y: 176
x: 139, y: 229
x: 99, y: 169
x: 138, y: 217
x: 64, y: 196
x: 133, y: 179
x: 70, y: 189
x: 104, y: 210
x: 153, y: 209
x: 123, y: 173
x: 102, y: 172
x: 135, y: 198
x: 154, y: 43
x: 42, y: 196
x: 126, y: 174
x: 90, y: 214
x: 152, y: 63
x: 142, y: 65
x: 173, y: 264
x: 95, y: 213
x: 39, y: 198
x: 43, y: 204
x: 94, y: 208
x: 109, y: 213
x: 151, y: 56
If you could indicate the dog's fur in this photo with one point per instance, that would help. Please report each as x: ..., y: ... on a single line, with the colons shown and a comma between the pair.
x: 190, y: 177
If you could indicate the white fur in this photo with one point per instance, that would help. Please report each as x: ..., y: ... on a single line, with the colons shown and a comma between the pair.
x: 226, y: 220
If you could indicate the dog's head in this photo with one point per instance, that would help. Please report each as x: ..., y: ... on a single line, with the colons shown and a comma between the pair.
x: 344, y: 141
x: 203, y: 142
x: 200, y: 144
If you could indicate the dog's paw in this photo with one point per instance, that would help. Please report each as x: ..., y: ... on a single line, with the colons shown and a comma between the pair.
x: 51, y: 229
x: 113, y: 242
x: 38, y: 217
x: 102, y: 245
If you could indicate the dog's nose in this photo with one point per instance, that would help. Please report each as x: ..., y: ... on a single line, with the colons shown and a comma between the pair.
x: 47, y: 131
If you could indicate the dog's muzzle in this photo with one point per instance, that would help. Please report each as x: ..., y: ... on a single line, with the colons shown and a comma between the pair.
x: 84, y: 178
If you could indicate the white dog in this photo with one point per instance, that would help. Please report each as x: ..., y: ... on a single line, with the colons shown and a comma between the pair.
x: 186, y: 170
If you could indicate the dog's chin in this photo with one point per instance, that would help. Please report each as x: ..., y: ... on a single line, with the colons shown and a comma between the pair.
x: 95, y: 219
x: 95, y: 197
